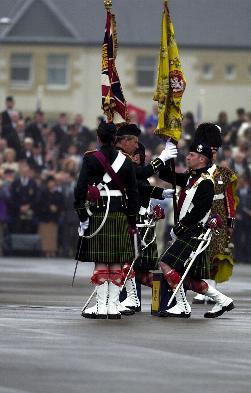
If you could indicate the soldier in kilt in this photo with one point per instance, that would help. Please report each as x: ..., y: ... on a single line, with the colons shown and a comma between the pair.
x: 194, y: 205
x: 149, y: 259
x: 127, y: 134
x: 112, y: 246
x: 219, y: 253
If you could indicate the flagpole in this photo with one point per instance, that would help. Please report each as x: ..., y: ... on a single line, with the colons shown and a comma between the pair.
x: 170, y: 87
x: 172, y: 161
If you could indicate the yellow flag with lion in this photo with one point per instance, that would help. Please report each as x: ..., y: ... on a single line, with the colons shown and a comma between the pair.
x: 171, y: 82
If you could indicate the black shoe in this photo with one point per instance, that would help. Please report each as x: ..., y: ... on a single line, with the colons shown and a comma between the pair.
x: 210, y: 301
x: 127, y: 312
x: 101, y: 316
x: 90, y: 316
x: 135, y: 309
x: 114, y: 316
x: 220, y: 312
x: 166, y: 314
x: 94, y: 316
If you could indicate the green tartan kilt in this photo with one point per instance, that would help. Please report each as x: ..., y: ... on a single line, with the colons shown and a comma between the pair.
x: 112, y: 244
x: 176, y: 255
x: 149, y: 259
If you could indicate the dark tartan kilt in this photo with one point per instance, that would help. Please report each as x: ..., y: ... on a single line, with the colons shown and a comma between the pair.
x: 176, y: 255
x: 149, y: 258
x: 112, y: 244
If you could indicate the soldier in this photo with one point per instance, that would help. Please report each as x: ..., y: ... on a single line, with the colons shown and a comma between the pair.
x: 127, y: 141
x: 194, y: 205
x: 225, y: 202
x: 149, y: 259
x: 112, y: 245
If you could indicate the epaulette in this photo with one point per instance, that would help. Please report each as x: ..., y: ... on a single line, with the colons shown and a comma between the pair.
x: 90, y: 152
x: 203, y: 176
x: 207, y: 176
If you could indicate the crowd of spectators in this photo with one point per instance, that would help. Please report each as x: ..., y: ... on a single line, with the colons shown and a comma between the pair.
x: 40, y: 161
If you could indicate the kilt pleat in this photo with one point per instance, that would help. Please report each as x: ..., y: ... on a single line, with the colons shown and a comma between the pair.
x: 112, y: 244
x: 178, y: 253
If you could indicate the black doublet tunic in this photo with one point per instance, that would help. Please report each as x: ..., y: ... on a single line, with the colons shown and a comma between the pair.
x: 92, y: 173
x: 202, y: 199
x: 189, y: 226
x: 112, y: 244
x: 149, y: 259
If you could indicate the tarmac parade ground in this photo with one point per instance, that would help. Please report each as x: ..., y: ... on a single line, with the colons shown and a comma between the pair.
x: 47, y: 347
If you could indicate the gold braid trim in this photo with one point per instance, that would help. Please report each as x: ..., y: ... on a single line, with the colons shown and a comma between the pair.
x: 115, y: 36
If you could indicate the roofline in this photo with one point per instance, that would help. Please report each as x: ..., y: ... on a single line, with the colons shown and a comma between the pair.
x: 17, y: 17
x: 77, y: 43
x: 27, y: 4
x: 58, y: 14
x: 38, y: 41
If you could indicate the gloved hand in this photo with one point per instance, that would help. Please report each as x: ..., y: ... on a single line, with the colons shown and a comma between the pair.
x: 168, y: 193
x: 169, y: 152
x: 82, y: 227
x: 173, y: 236
x: 170, y: 145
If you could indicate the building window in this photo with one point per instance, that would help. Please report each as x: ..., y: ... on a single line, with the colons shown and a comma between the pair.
x: 230, y: 71
x: 57, y: 70
x: 207, y: 71
x: 21, y: 69
x: 145, y: 71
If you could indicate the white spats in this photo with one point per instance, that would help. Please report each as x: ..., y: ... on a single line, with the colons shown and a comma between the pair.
x: 223, y: 303
x: 99, y: 311
x: 124, y: 310
x: 90, y: 312
x: 113, y: 300
x: 181, y: 309
x: 201, y: 299
x: 132, y: 301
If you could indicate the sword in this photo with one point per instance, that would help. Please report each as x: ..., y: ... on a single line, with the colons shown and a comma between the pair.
x: 89, y: 299
x: 149, y: 225
x: 76, y: 265
x: 137, y: 254
x: 204, y: 243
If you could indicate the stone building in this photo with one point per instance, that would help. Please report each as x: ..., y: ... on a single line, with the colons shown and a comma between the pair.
x: 50, y: 51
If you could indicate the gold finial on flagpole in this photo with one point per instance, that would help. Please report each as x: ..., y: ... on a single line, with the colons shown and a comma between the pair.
x: 108, y: 4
